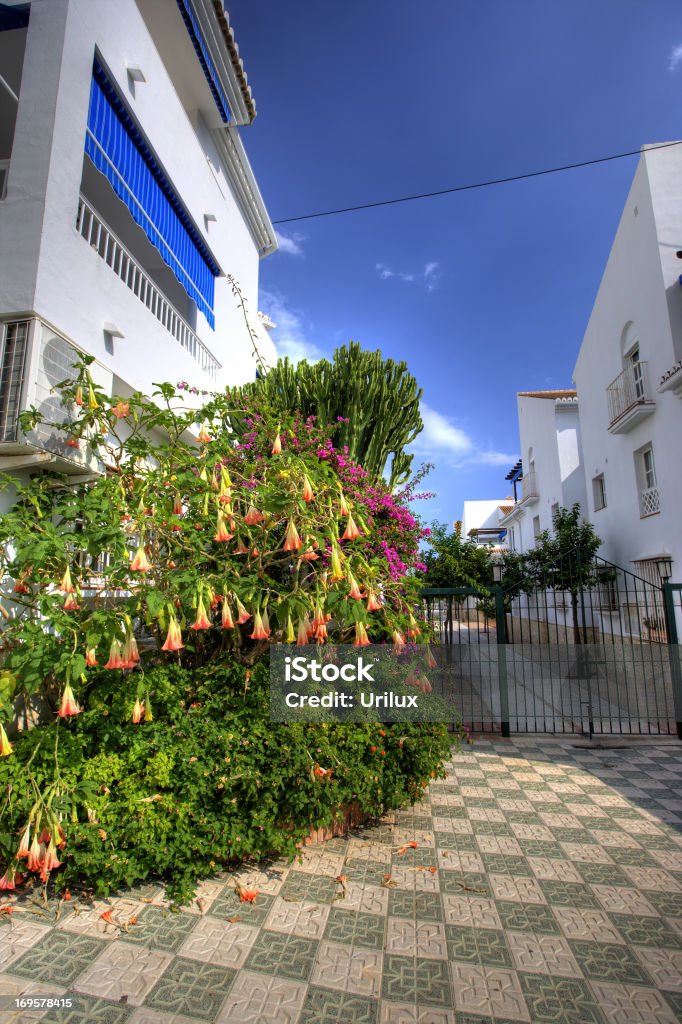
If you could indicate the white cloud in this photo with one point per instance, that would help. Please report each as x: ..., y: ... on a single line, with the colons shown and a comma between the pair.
x: 290, y: 334
x: 440, y: 435
x: 429, y: 275
x: 675, y: 57
x: 290, y: 244
x: 495, y: 458
x: 444, y: 443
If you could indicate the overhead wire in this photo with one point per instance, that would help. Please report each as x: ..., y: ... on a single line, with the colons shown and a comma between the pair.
x: 474, y: 185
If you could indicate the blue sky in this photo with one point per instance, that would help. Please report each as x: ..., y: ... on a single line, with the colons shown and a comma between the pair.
x: 482, y: 293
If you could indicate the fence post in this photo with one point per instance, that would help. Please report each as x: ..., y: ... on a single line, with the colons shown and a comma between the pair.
x: 501, y: 629
x: 673, y: 650
x: 582, y: 657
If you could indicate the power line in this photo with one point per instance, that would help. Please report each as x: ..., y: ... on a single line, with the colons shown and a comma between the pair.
x: 478, y: 184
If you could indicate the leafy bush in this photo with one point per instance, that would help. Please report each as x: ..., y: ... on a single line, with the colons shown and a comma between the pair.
x: 142, y: 599
x: 209, y: 781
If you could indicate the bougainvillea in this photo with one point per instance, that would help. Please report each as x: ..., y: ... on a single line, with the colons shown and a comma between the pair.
x: 214, y: 531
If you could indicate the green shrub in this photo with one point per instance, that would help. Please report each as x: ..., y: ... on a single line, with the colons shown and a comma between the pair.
x: 211, y: 780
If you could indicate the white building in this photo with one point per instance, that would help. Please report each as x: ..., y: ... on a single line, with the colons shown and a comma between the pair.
x: 126, y: 204
x: 550, y: 473
x: 481, y: 523
x: 629, y: 377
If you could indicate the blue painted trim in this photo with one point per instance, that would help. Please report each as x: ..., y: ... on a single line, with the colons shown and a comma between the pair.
x: 201, y: 49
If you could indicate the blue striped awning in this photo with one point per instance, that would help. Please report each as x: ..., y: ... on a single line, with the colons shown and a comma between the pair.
x: 118, y: 149
x: 201, y: 50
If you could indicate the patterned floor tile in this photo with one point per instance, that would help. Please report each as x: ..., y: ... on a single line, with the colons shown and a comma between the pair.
x: 305, y: 919
x: 416, y: 938
x: 228, y: 905
x: 527, y: 917
x: 411, y: 980
x: 258, y: 999
x: 423, y: 906
x: 368, y: 899
x: 159, y: 929
x: 284, y: 956
x: 460, y: 860
x: 501, y: 864
x: 192, y: 989
x: 58, y: 957
x: 568, y: 894
x: 220, y: 943
x: 618, y: 899
x: 355, y: 929
x: 268, y: 878
x: 587, y: 925
x: 542, y: 954
x: 404, y: 1013
x: 324, y: 1006
x: 563, y: 1000
x: 302, y: 886
x: 478, y: 945
x: 495, y: 991
x: 123, y: 972
x: 516, y: 888
x: 368, y: 872
x: 348, y: 969
x: 607, y: 961
x: 472, y: 912
x: 17, y: 937
x: 629, y: 1004
x: 459, y: 881
x: 664, y: 966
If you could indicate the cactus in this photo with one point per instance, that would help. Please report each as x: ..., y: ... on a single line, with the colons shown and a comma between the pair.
x: 378, y: 397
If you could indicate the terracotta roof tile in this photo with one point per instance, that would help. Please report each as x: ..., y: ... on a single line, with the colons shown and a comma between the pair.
x: 565, y: 393
x: 235, y: 59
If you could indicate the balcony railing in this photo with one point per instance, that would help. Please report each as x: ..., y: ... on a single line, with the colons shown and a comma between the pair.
x: 649, y: 502
x: 93, y: 229
x: 629, y: 396
x: 529, y: 487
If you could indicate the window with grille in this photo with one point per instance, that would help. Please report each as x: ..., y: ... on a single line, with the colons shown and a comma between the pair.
x: 13, y: 349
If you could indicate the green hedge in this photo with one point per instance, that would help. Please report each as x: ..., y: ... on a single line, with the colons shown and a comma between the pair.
x: 208, y: 782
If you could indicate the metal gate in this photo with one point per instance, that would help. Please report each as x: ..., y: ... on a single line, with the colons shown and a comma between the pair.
x: 577, y: 649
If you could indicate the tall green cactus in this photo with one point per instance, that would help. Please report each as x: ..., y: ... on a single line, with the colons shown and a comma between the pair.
x: 379, y: 398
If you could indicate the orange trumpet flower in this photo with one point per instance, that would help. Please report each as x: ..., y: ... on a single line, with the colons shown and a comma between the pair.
x: 140, y: 562
x: 292, y: 541
x: 68, y: 706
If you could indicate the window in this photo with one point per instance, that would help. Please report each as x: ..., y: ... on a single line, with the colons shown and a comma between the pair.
x: 536, y: 526
x: 599, y: 492
x: 645, y: 471
x: 637, y: 372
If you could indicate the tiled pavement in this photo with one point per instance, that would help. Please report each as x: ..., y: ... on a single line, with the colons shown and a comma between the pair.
x: 546, y: 886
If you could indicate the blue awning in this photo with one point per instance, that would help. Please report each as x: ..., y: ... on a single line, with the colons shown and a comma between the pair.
x: 13, y: 16
x: 201, y: 50
x: 117, y: 148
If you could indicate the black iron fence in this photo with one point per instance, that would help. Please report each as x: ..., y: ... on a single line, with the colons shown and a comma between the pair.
x: 578, y: 649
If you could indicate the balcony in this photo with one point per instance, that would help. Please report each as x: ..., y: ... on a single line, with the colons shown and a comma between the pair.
x: 649, y: 502
x: 101, y: 238
x: 529, y: 488
x: 629, y: 398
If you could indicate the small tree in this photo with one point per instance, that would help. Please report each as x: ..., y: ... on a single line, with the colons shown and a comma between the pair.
x: 560, y: 561
x: 453, y: 562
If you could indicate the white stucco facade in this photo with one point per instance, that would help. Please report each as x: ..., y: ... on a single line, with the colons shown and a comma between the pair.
x: 629, y: 376
x: 551, y: 456
x: 64, y: 234
x: 481, y: 522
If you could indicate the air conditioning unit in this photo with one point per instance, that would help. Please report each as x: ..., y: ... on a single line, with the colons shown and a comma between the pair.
x: 33, y: 360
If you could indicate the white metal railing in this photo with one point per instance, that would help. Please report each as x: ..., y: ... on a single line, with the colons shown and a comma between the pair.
x: 93, y: 229
x: 630, y: 388
x: 649, y: 502
x: 529, y: 487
